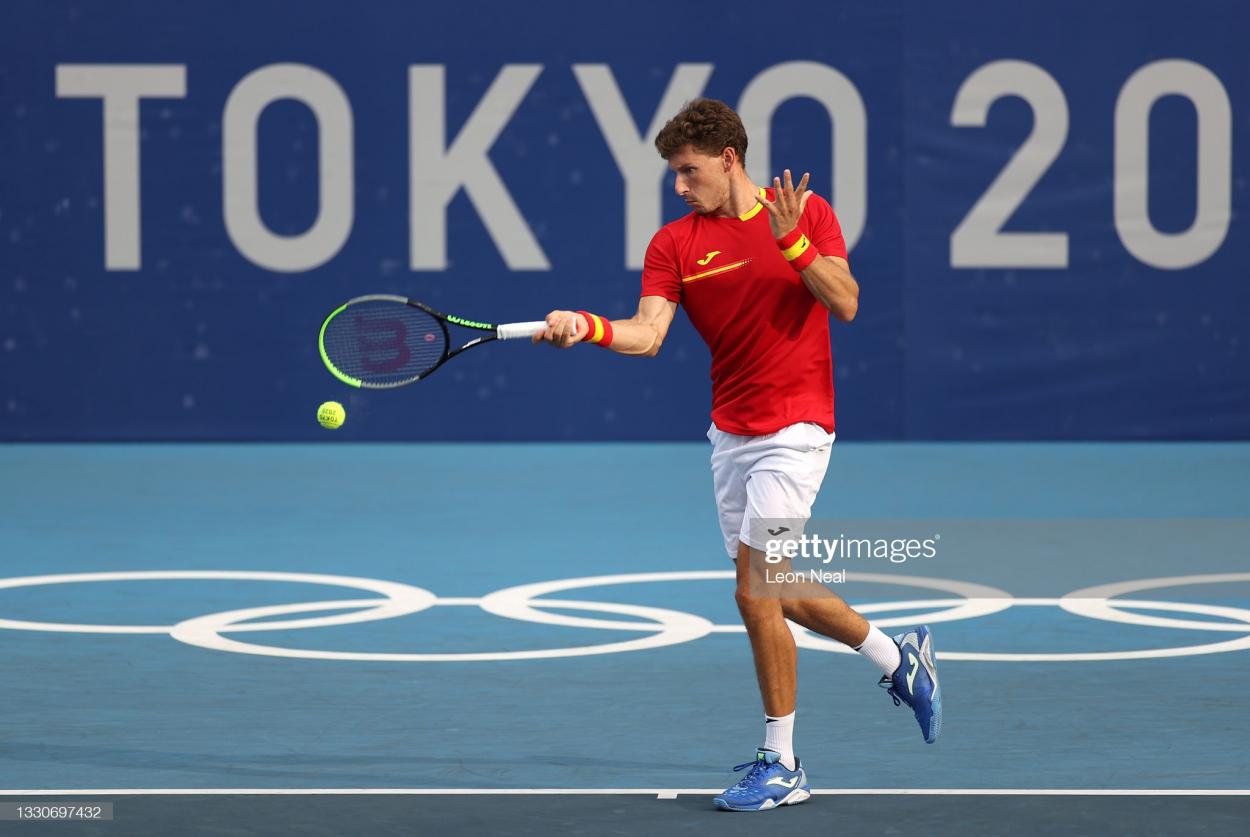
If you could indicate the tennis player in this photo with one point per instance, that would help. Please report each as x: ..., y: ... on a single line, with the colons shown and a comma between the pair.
x: 759, y: 271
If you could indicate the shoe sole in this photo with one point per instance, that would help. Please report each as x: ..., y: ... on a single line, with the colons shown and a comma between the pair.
x: 794, y: 797
x: 935, y: 723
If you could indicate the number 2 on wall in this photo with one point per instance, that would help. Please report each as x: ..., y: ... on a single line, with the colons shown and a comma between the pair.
x: 978, y: 240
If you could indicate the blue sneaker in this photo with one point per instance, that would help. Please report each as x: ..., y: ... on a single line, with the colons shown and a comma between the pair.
x: 915, y: 683
x: 767, y: 785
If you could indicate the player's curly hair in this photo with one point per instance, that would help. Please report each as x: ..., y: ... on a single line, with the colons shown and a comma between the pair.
x: 707, y: 125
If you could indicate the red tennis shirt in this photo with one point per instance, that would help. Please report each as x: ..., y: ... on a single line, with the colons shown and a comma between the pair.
x: 769, y: 336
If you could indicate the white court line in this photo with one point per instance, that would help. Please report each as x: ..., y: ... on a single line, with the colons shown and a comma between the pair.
x: 661, y: 793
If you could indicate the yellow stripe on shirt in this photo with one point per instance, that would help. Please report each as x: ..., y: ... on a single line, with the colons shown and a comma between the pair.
x: 716, y: 270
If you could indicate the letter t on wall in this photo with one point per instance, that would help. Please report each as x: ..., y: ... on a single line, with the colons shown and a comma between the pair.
x: 121, y: 86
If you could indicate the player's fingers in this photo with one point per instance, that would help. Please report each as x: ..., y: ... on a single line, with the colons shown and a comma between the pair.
x: 556, y: 327
x: 803, y: 201
x: 548, y: 335
x: 788, y: 181
x: 803, y: 183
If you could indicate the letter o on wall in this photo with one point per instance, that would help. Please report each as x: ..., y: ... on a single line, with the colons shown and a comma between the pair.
x: 323, y: 96
x: 774, y: 86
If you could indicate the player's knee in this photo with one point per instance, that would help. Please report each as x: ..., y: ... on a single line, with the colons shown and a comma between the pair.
x: 750, y: 605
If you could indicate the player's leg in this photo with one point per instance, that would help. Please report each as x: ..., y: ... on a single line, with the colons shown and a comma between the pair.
x: 783, y: 473
x: 776, y: 777
x: 768, y: 782
x: 908, y: 661
x: 771, y: 641
x: 782, y: 485
x: 772, y: 644
x: 819, y: 609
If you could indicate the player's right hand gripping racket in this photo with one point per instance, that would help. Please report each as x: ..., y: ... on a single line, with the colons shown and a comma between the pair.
x: 382, y: 341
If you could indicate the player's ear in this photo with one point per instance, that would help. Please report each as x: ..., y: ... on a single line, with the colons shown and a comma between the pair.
x: 727, y: 157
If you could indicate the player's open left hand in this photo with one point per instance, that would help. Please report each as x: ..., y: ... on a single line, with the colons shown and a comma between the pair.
x: 564, y: 329
x: 787, y: 204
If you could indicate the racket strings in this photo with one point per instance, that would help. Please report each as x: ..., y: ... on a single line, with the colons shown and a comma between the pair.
x: 383, y: 343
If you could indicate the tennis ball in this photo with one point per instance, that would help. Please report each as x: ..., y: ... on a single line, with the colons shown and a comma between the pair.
x: 331, y: 415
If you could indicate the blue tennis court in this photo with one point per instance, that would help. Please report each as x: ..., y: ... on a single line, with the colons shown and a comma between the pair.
x: 104, y: 703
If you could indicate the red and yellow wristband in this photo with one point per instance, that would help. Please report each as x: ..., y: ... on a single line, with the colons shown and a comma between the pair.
x: 599, y: 329
x: 797, y: 249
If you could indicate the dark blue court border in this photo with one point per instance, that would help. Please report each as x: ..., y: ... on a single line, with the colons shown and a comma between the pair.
x: 636, y: 814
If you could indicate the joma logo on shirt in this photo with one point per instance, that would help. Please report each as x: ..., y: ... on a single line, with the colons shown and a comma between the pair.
x: 709, y: 257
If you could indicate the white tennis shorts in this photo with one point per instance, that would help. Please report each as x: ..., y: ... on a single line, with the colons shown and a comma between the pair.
x: 766, y: 477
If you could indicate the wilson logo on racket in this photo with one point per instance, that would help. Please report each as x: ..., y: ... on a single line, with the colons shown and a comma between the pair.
x: 383, y: 344
x: 467, y: 323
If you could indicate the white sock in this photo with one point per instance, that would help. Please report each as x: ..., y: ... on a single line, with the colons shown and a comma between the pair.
x: 779, y: 737
x: 881, y: 650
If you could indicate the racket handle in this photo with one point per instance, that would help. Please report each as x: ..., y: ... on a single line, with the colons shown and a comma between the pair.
x: 514, y: 331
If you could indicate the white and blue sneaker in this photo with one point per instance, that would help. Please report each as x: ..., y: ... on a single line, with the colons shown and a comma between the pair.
x: 767, y: 785
x: 915, y: 682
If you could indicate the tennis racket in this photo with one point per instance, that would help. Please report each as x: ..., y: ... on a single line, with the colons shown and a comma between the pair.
x: 382, y: 341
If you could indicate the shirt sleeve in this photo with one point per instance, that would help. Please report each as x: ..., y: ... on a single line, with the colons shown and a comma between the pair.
x: 660, y: 273
x: 824, y: 231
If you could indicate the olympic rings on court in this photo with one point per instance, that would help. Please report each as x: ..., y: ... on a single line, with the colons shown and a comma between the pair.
x: 401, y: 599
x: 663, y: 626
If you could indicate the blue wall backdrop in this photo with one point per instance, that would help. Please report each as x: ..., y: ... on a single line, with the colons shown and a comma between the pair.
x: 1048, y: 205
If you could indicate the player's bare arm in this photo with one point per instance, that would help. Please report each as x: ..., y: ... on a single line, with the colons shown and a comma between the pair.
x: 640, y: 335
x: 828, y: 277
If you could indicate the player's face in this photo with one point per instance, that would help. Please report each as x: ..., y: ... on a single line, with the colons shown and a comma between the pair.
x: 702, y: 180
